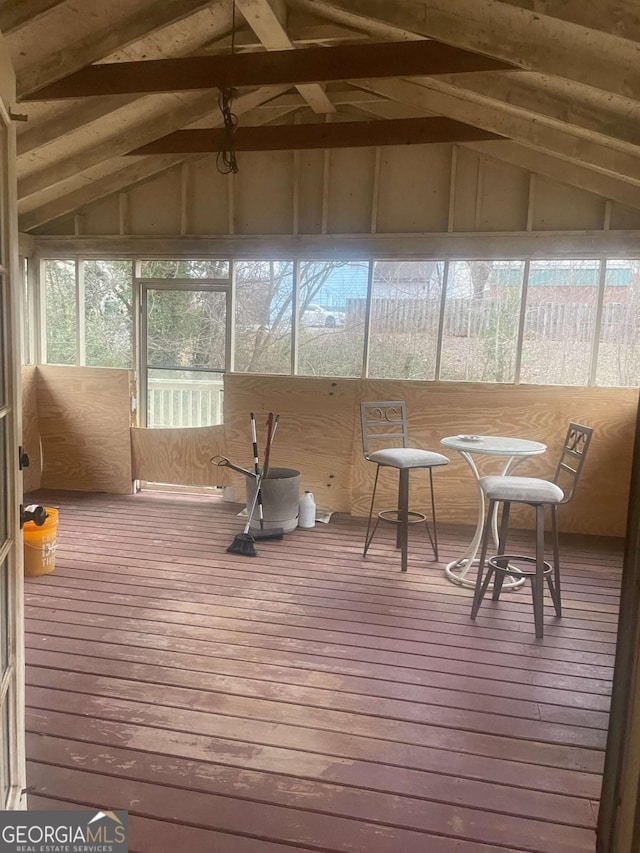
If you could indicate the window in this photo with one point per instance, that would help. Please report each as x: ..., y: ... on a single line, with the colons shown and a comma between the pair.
x: 551, y: 321
x: 330, y: 330
x: 406, y: 301
x: 185, y: 356
x: 619, y: 345
x: 264, y: 300
x: 480, y: 329
x: 108, y: 313
x: 61, y: 312
x: 562, y: 297
x: 27, y: 322
x: 89, y: 312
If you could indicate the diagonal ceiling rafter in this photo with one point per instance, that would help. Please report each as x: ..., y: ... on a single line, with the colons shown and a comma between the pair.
x: 102, y: 42
x: 564, y: 104
x: 268, y: 23
x: 567, y: 144
x: 174, y: 115
x: 15, y: 15
x: 124, y: 176
x: 506, y: 32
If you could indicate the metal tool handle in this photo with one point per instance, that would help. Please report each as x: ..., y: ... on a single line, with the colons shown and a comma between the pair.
x: 272, y: 425
x: 224, y: 463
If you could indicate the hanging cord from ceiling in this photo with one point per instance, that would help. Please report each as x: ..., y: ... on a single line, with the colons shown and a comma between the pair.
x: 226, y: 162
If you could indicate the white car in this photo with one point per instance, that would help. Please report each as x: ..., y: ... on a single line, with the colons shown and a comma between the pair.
x: 316, y: 315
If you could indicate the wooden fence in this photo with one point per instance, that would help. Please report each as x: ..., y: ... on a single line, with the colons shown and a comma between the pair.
x: 470, y: 318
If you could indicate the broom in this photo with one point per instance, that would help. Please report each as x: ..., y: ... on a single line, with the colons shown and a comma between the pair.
x: 244, y: 543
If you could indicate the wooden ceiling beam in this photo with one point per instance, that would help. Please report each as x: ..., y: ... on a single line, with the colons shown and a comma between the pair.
x: 33, y: 214
x: 300, y: 35
x: 558, y: 100
x: 14, y: 15
x: 268, y: 23
x: 338, y: 98
x: 533, y: 41
x: 187, y: 111
x: 609, y: 16
x: 312, y: 65
x: 567, y: 143
x: 104, y: 41
x: 119, y: 180
x: 36, y: 133
x: 346, y: 134
x: 558, y: 170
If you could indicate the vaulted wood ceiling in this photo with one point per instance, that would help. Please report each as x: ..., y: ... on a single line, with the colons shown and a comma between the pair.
x: 560, y: 98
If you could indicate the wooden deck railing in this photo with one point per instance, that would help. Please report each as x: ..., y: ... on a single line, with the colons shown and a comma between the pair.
x: 186, y: 403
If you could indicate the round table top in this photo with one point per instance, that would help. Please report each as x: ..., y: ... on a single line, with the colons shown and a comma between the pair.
x: 494, y: 445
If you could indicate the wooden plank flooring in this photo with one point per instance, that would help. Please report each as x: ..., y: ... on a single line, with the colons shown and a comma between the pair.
x: 310, y: 699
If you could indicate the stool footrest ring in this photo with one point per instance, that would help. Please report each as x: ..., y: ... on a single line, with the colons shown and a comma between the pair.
x: 515, y: 570
x: 393, y: 515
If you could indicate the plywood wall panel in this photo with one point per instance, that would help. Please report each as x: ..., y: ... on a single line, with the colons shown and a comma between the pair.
x: 55, y: 228
x: 320, y: 435
x: 264, y: 192
x: 207, y: 198
x: 505, y: 197
x: 467, y: 168
x: 624, y: 218
x: 350, y: 190
x: 315, y: 432
x: 414, y: 188
x: 154, y: 206
x: 31, y: 476
x: 102, y: 217
x: 84, y: 417
x: 559, y: 207
x: 181, y: 456
x: 310, y: 183
x: 541, y: 413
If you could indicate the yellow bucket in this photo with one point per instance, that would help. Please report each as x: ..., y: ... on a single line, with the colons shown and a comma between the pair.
x: 40, y: 545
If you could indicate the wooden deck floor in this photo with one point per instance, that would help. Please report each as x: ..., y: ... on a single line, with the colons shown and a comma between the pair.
x: 309, y: 699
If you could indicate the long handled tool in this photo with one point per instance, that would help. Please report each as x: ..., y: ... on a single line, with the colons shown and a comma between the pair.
x: 256, y: 468
x: 223, y: 462
x: 273, y: 532
x: 272, y: 425
x: 244, y: 543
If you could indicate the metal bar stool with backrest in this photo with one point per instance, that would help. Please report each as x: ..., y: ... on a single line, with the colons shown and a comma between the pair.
x: 539, y: 494
x: 384, y: 426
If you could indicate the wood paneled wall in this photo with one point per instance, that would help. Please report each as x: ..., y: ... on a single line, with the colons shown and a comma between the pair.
x: 319, y: 434
x: 86, y: 443
x: 31, y: 476
x: 401, y: 189
x: 315, y: 434
x: 179, y: 456
x: 84, y: 421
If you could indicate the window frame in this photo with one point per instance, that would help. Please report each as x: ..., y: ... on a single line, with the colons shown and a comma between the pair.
x: 299, y: 257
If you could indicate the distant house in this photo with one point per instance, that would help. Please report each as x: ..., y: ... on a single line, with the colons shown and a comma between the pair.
x: 565, y: 285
